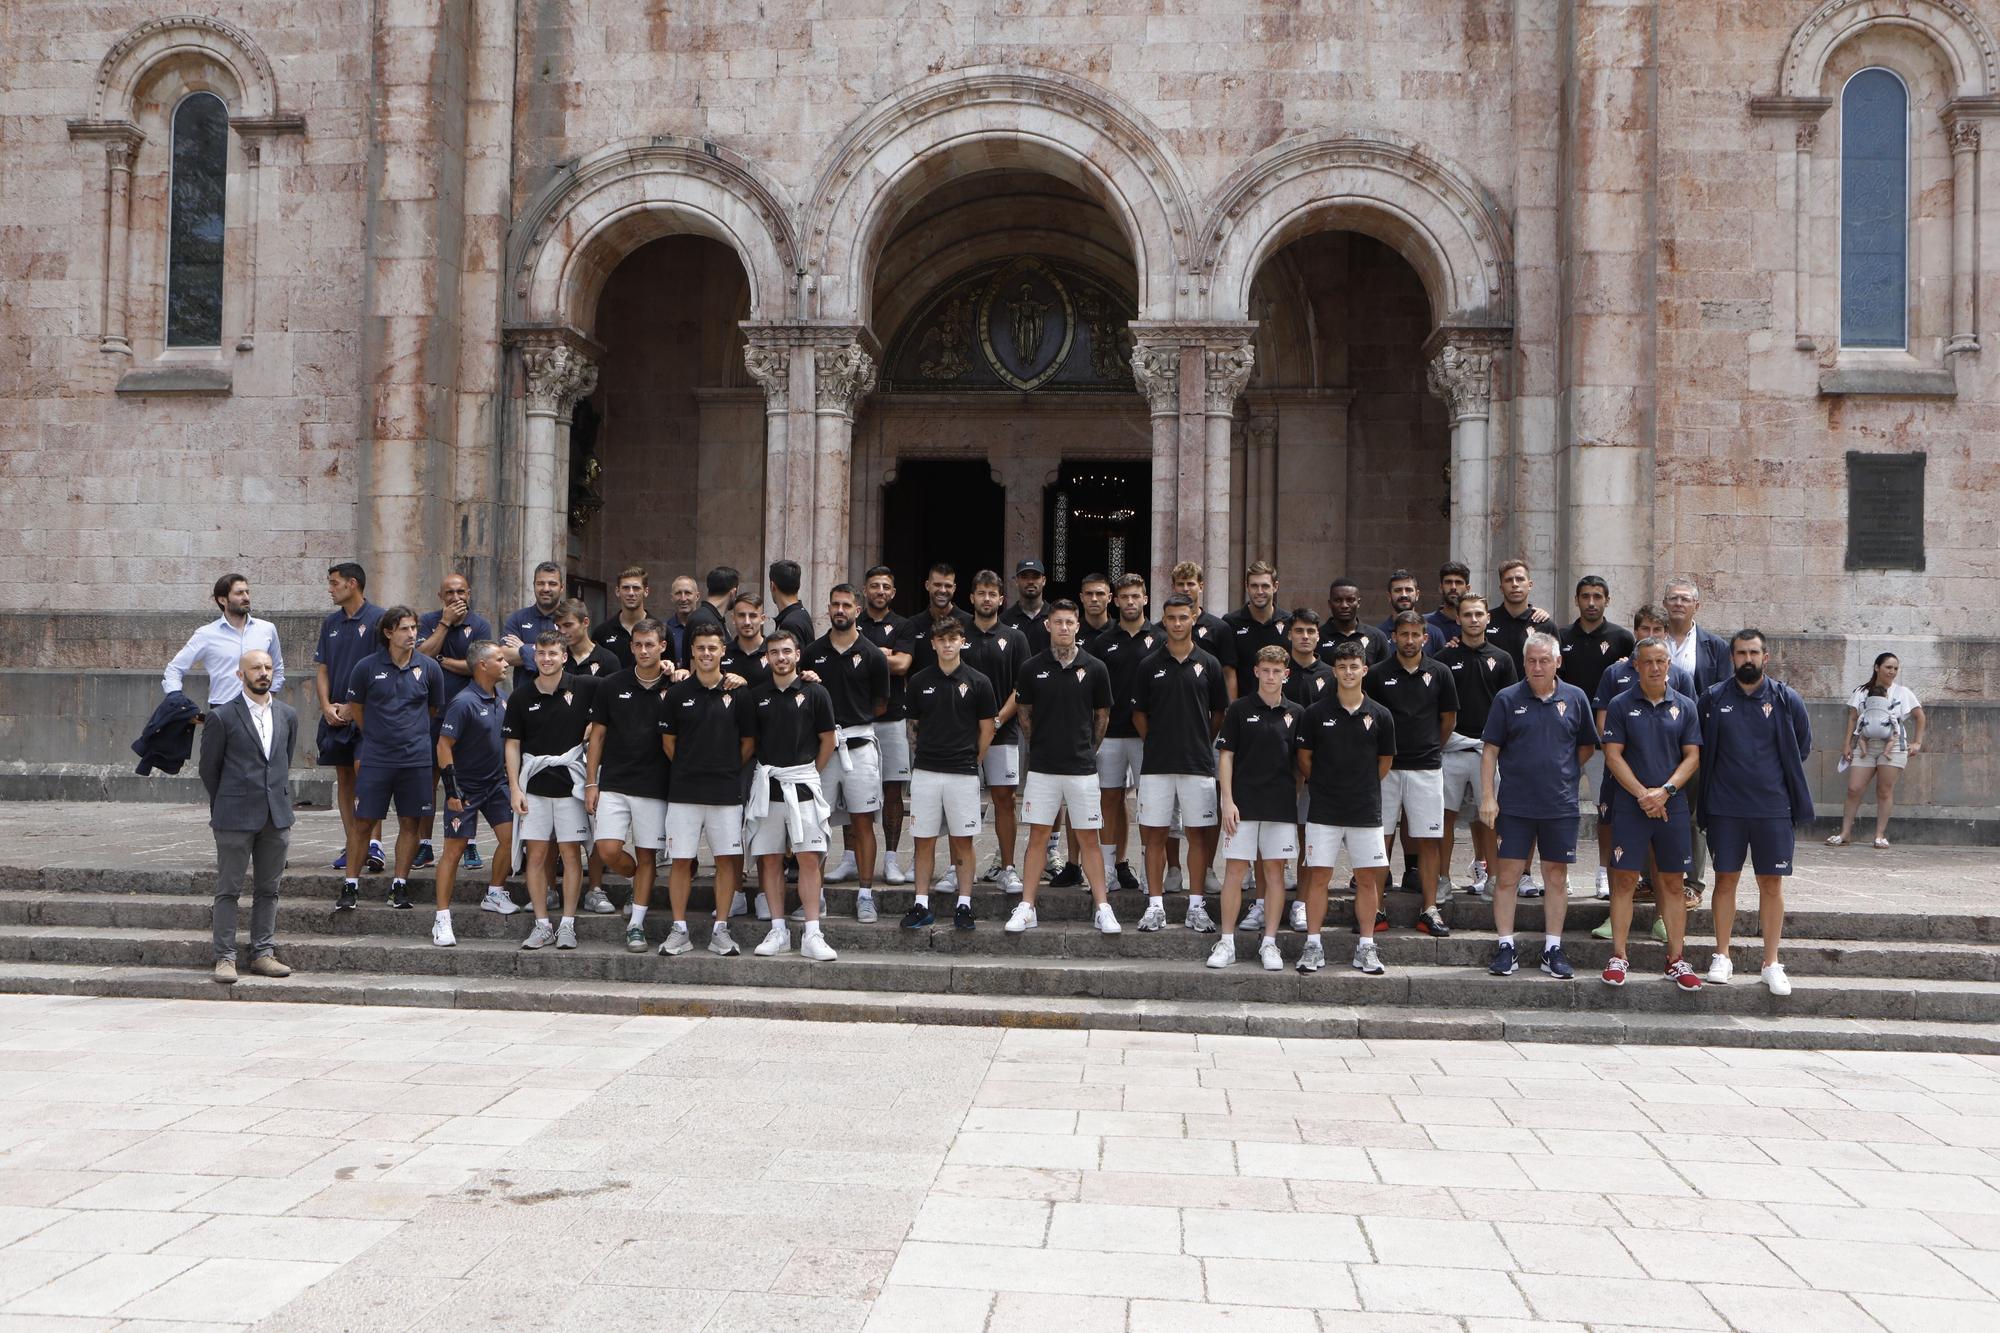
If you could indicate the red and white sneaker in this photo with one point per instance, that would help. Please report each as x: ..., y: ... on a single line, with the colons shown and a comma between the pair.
x: 1682, y: 975
x: 1614, y: 971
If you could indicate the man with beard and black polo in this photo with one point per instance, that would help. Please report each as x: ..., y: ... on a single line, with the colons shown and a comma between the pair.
x: 1093, y: 599
x: 1030, y: 614
x: 1128, y: 642
x: 1406, y: 595
x: 1479, y: 671
x: 855, y: 674
x: 882, y: 627
x: 997, y: 650
x: 1423, y: 702
x: 626, y: 771
x: 1589, y: 646
x: 744, y: 656
x: 708, y: 740
x: 1257, y: 624
x: 792, y: 720
x: 1177, y: 705
x: 519, y: 631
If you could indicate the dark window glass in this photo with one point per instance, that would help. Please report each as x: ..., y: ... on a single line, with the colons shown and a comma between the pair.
x: 194, y: 225
x: 1874, y: 210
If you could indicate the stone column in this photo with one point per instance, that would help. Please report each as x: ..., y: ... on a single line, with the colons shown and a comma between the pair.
x: 843, y: 375
x: 1806, y: 136
x: 121, y: 140
x: 1260, y: 476
x: 1461, y: 373
x: 1227, y: 372
x: 770, y: 364
x: 557, y: 373
x: 1964, y: 236
x: 1157, y: 369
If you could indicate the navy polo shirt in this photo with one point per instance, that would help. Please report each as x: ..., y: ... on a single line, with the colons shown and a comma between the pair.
x: 1652, y: 734
x: 343, y: 641
x: 1621, y: 676
x: 478, y: 752
x: 397, y: 703
x: 1538, y: 740
x: 456, y: 640
x: 527, y: 625
x: 1744, y: 774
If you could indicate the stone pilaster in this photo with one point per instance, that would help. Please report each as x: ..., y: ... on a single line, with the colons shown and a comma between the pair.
x: 1964, y: 236
x: 121, y: 140
x: 1192, y: 374
x: 1461, y: 372
x: 1157, y: 371
x: 558, y: 370
x: 843, y: 374
x: 1227, y: 373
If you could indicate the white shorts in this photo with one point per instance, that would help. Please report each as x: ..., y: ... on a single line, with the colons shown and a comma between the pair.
x: 1461, y: 780
x: 1002, y: 766
x: 943, y: 804
x: 638, y: 820
x: 1366, y: 848
x: 687, y: 823
x: 773, y: 834
x: 892, y: 739
x: 1417, y: 793
x: 1118, y: 762
x: 554, y: 819
x: 1262, y: 840
x: 1048, y: 795
x: 861, y: 785
x: 1165, y: 797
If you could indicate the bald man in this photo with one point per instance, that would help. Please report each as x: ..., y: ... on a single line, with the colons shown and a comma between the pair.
x: 246, y: 759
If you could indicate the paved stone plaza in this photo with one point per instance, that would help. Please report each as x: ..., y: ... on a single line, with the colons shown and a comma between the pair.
x: 175, y: 1165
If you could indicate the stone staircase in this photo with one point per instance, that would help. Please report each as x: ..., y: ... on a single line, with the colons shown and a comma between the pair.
x: 1861, y: 980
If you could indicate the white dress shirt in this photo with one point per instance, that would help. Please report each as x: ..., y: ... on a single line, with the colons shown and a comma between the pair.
x: 1682, y: 651
x: 260, y: 717
x: 217, y: 648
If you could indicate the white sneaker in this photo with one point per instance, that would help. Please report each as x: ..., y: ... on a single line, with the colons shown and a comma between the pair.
x: 990, y: 875
x: 893, y: 873
x: 676, y: 943
x: 497, y: 900
x: 541, y: 937
x: 1482, y: 882
x: 1023, y: 919
x: 1720, y: 970
x: 1196, y: 917
x: 1299, y: 917
x: 1291, y: 877
x: 815, y: 948
x: 1368, y: 959
x: 776, y: 941
x: 1444, y: 889
x: 947, y: 883
x: 441, y: 933
x: 763, y: 912
x: 1154, y: 917
x: 842, y: 872
x: 1775, y: 980
x: 1171, y: 881
x: 1212, y: 883
x: 740, y: 904
x: 566, y: 935
x: 1603, y: 883
x: 1254, y: 918
x: 719, y: 942
x: 864, y: 907
x: 1224, y: 952
x: 1530, y: 887
x: 1268, y: 955
x: 1009, y: 879
x: 1106, y: 921
x: 598, y: 901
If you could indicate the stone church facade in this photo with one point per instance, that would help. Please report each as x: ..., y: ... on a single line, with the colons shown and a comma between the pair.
x: 1629, y: 288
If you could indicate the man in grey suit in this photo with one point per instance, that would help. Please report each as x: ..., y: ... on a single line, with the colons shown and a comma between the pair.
x: 246, y: 758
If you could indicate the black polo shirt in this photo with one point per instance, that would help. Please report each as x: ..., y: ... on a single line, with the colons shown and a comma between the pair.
x: 600, y: 664
x: 611, y: 635
x: 789, y: 722
x: 1415, y: 699
x: 883, y: 634
x: 1248, y: 634
x: 799, y: 621
x: 632, y: 762
x: 548, y: 724
x: 704, y: 613
x: 856, y: 678
x: 948, y: 710
x: 1260, y: 736
x: 1374, y: 643
x: 1213, y: 636
x: 397, y: 704
x: 1510, y: 632
x: 1035, y: 628
x: 1307, y: 685
x: 749, y: 663
x: 1062, y: 733
x: 999, y: 654
x: 1179, y: 697
x: 1344, y: 790
x: 708, y: 725
x: 1588, y: 654
x: 1122, y: 655
x: 343, y: 641
x: 915, y: 639
x: 1477, y: 674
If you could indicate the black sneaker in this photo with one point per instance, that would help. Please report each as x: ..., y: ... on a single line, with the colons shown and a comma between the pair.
x: 1431, y: 922
x: 962, y: 917
x: 425, y: 858
x: 377, y: 863
x: 349, y: 899
x: 1504, y: 960
x: 399, y: 896
x: 918, y: 917
x: 1555, y: 964
x: 1069, y: 877
x: 1413, y: 880
x: 1123, y: 878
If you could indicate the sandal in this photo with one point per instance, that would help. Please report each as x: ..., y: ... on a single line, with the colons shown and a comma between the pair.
x: 1836, y: 840
x: 1881, y: 844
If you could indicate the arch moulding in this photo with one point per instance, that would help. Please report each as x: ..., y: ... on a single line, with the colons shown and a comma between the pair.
x: 1951, y: 25
x: 982, y: 119
x: 134, y: 56
x: 600, y: 208
x: 1374, y: 183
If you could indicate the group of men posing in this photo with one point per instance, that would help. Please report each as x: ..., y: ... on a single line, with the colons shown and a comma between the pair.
x: 1277, y: 743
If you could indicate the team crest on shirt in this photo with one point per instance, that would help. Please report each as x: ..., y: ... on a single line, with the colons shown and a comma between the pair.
x: 1618, y: 853
x: 1674, y: 712
x: 1288, y: 719
x: 1604, y: 649
x: 1319, y: 683
x: 800, y: 698
x: 1427, y: 677
x: 361, y: 629
x: 1490, y: 664
x: 1197, y: 670
x: 1079, y: 674
x: 1767, y: 710
x: 964, y: 688
x: 1562, y: 708
x: 1149, y: 640
x: 727, y: 699
x: 856, y: 659
x: 569, y: 696
x: 1367, y: 722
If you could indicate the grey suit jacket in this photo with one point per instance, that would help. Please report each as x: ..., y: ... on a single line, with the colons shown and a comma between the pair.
x: 246, y: 791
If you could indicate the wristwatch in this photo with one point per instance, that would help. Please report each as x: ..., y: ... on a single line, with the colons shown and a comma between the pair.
x: 1670, y: 789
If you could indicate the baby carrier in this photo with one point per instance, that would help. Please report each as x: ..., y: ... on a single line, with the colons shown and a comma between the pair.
x: 1878, y: 720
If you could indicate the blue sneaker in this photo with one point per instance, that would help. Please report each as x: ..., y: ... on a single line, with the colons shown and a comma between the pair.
x: 376, y: 862
x: 425, y: 858
x: 1504, y: 960
x: 1555, y: 964
x: 340, y: 862
x: 473, y: 861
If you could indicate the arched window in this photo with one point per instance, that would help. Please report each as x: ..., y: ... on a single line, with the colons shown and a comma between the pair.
x: 1874, y: 210
x: 194, y: 222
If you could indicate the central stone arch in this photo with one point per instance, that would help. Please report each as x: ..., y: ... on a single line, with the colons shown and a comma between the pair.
x: 994, y: 118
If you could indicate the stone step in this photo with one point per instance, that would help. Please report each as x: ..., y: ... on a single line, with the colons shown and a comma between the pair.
x: 947, y: 971
x: 1221, y: 1017
x: 159, y: 914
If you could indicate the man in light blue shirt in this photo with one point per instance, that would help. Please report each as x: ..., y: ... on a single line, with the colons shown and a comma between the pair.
x: 219, y: 646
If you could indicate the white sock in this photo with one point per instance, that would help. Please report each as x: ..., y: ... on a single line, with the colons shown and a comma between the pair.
x: 1156, y: 900
x: 638, y: 915
x: 444, y: 916
x: 1551, y: 941
x: 569, y: 921
x: 1505, y: 939
x: 680, y: 925
x: 812, y: 928
x: 923, y: 900
x: 353, y: 883
x: 865, y: 892
x: 965, y: 900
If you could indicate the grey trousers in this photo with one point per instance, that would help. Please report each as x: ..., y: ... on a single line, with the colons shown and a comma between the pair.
x: 263, y: 854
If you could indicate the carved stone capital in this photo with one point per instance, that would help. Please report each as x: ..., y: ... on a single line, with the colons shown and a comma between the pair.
x: 1461, y: 371
x: 1228, y: 371
x: 771, y: 367
x: 558, y: 376
x: 842, y: 377
x: 121, y: 139
x: 1157, y: 370
x: 1965, y: 136
x: 1806, y: 135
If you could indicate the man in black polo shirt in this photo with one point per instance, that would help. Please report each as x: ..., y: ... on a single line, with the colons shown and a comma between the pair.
x: 720, y: 584
x: 744, y: 655
x: 614, y: 633
x: 709, y: 738
x: 345, y: 637
x: 1177, y: 704
x: 1479, y: 670
x: 1347, y: 743
x: 787, y: 611
x: 1122, y: 647
x: 627, y: 772
x: 1344, y: 625
x: 951, y: 716
x: 1257, y: 624
x: 996, y: 650
x: 1065, y: 699
x: 1093, y: 598
x: 1589, y: 646
x: 1406, y: 595
x: 1419, y: 694
x: 883, y: 628
x: 545, y: 724
x: 585, y: 657
x: 1259, y: 797
x: 1210, y: 633
x: 1454, y: 581
x: 1516, y: 617
x: 1308, y: 680
x: 856, y: 676
x: 392, y: 695
x: 1030, y: 614
x: 914, y: 643
x: 793, y: 722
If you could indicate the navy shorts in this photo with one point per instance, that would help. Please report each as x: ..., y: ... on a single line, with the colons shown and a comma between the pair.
x: 1633, y: 833
x: 337, y: 745
x: 1554, y: 838
x: 1768, y: 841
x: 492, y: 803
x: 411, y: 789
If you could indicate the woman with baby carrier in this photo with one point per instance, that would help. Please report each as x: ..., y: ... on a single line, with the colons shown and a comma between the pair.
x: 1885, y: 726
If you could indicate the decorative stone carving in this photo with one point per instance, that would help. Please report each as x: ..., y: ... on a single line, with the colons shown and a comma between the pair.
x: 1807, y: 135
x: 771, y: 367
x: 1965, y: 136
x: 1952, y: 24
x: 1461, y: 373
x: 1158, y: 372
x: 557, y: 375
x: 842, y: 377
x: 1228, y: 372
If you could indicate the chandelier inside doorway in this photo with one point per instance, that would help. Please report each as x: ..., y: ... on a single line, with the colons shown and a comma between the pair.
x: 1096, y: 513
